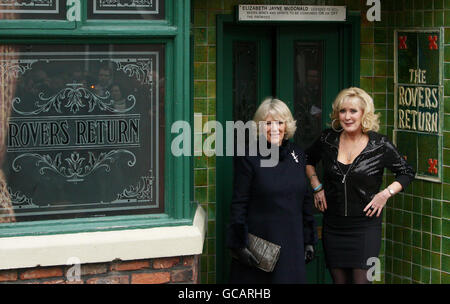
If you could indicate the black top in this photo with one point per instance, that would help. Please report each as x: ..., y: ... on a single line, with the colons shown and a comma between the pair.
x: 349, y: 190
x: 344, y: 167
x: 336, y: 221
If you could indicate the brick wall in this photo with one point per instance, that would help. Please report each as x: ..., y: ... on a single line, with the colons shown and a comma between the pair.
x: 183, y: 269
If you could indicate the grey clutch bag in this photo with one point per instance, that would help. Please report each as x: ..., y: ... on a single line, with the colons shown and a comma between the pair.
x: 266, y: 253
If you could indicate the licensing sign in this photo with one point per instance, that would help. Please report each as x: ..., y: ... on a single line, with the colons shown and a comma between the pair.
x: 249, y: 12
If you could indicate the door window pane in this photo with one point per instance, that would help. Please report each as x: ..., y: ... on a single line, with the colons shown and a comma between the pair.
x: 245, y: 80
x: 83, y: 135
x: 245, y: 76
x: 308, y: 92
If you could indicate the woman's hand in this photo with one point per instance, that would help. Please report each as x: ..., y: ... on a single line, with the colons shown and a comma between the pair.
x: 377, y: 204
x: 320, y: 202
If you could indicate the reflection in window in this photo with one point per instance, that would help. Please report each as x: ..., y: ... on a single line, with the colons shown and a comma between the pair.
x: 82, y: 130
x: 308, y: 92
x: 8, y: 90
x: 33, y: 9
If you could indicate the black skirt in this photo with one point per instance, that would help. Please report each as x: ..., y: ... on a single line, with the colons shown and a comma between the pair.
x: 349, y: 242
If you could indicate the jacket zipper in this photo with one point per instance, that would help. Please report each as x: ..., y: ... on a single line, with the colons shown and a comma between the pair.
x: 348, y: 171
x: 345, y: 184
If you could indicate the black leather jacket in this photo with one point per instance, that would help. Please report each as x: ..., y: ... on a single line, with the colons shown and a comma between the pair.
x: 348, y: 193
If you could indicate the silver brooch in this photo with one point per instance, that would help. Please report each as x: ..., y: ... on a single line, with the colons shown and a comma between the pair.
x: 295, y: 157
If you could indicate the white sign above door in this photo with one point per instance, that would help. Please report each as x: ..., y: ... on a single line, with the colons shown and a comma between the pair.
x: 249, y: 12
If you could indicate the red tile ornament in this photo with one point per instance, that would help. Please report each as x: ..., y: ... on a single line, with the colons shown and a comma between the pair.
x: 432, y: 42
x: 402, y: 42
x: 433, y: 163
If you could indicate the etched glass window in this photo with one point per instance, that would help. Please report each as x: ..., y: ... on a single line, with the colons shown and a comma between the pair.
x: 308, y: 91
x: 80, y: 130
x: 33, y: 9
x: 245, y: 79
x: 126, y: 9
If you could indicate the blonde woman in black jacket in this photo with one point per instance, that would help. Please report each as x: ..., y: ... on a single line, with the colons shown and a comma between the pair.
x: 354, y: 157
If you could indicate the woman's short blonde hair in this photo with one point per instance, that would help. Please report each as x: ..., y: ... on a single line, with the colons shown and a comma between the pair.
x: 279, y: 111
x: 370, y: 121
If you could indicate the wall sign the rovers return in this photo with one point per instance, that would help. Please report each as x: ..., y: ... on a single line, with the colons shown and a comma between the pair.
x: 419, y: 100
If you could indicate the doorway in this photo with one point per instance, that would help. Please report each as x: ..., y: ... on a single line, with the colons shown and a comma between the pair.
x: 303, y: 64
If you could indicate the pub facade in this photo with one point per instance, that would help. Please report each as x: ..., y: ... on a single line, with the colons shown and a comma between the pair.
x: 110, y: 167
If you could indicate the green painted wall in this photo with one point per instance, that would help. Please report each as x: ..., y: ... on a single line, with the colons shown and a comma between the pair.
x: 416, y: 227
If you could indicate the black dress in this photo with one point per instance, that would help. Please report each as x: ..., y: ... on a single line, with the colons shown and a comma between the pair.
x: 350, y: 241
x: 274, y: 203
x: 349, y: 237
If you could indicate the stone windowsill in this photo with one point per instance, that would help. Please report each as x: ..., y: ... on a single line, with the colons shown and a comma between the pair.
x: 96, y: 247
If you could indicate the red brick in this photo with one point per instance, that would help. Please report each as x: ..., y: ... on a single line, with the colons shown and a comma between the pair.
x: 37, y: 273
x: 195, y: 278
x: 181, y: 275
x: 8, y: 275
x: 195, y: 269
x: 132, y: 265
x: 150, y: 278
x: 74, y: 282
x: 58, y: 281
x: 165, y: 263
x: 109, y: 280
x: 90, y: 269
x: 86, y: 269
x: 188, y: 260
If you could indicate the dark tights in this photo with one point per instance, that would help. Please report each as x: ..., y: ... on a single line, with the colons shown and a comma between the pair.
x: 349, y: 276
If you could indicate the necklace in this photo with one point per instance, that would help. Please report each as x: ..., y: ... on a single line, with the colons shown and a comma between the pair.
x: 349, y: 154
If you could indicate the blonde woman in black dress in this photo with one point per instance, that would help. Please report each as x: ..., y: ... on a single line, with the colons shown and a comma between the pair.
x: 354, y: 157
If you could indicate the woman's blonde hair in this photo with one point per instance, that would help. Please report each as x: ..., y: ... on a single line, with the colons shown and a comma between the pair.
x: 278, y: 110
x: 369, y: 122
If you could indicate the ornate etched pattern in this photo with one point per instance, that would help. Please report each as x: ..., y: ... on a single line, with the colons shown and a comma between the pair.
x: 20, y: 200
x: 90, y: 148
x: 36, y: 8
x: 125, y: 3
x: 142, y: 69
x: 142, y: 191
x: 76, y: 169
x: 126, y: 9
x: 6, y: 208
x: 27, y: 3
x: 15, y: 68
x: 74, y: 96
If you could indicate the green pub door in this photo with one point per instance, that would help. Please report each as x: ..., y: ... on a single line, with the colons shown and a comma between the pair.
x: 303, y: 64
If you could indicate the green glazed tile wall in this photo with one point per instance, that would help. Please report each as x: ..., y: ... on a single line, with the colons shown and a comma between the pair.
x: 204, y: 32
x: 416, y: 225
x: 416, y: 222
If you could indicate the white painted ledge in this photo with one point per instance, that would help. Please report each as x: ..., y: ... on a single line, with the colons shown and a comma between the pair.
x: 96, y: 247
